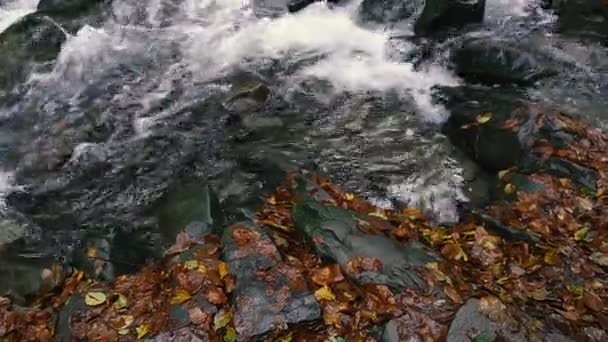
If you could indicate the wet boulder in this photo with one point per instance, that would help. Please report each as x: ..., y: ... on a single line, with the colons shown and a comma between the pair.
x: 585, y: 18
x: 470, y: 319
x: 33, y: 40
x: 74, y: 14
x: 439, y: 15
x: 336, y: 236
x: 268, y: 293
x: 499, y: 129
x: 493, y: 61
x: 388, y: 11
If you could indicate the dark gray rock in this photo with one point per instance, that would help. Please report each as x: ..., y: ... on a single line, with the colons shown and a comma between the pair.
x: 470, y: 319
x: 31, y: 40
x: 585, y: 18
x: 439, y: 15
x: 494, y: 61
x: 268, y: 292
x: 388, y: 11
x: 193, y: 207
x: 336, y: 236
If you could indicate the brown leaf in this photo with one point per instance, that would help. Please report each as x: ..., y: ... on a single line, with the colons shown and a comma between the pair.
x: 244, y: 236
x: 453, y: 294
x: 327, y: 275
x: 217, y: 296
x: 199, y: 317
x: 593, y: 301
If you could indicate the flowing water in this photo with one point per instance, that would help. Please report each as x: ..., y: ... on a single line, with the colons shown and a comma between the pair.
x: 133, y: 107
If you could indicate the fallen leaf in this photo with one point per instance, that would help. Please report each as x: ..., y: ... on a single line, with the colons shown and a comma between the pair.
x: 453, y: 294
x: 121, y: 302
x: 217, y: 296
x: 181, y: 296
x: 142, y: 331
x: 413, y: 213
x: 125, y: 322
x: 349, y: 196
x: 223, y: 269
x: 95, y: 298
x: 599, y: 258
x: 485, y: 117
x: 123, y: 332
x: 199, y: 317
x: 201, y: 268
x: 230, y: 335
x: 222, y: 318
x: 581, y: 234
x: 593, y: 301
x: 510, y: 188
x: 324, y: 293
x: 285, y: 338
x: 503, y: 173
x: 327, y: 275
x: 191, y: 264
x: 379, y: 214
x: 552, y: 258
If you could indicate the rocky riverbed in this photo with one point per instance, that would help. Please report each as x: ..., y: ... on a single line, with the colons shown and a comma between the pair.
x: 169, y: 170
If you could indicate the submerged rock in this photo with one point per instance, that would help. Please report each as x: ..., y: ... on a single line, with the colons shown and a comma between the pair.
x: 336, y: 236
x: 493, y: 61
x: 439, y: 15
x: 586, y: 18
x: 269, y: 294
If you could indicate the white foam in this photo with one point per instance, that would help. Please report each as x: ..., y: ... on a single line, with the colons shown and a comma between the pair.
x: 6, y: 186
x: 350, y: 57
x: 12, y: 10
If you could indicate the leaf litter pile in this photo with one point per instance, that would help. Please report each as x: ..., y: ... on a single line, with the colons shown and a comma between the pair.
x: 320, y: 264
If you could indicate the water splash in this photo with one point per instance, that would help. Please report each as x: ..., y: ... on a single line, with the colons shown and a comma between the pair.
x: 13, y: 10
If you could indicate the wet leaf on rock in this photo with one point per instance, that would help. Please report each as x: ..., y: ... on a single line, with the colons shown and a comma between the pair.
x: 199, y: 317
x: 552, y: 258
x: 453, y: 294
x: 95, y: 298
x: 510, y: 188
x: 124, y: 322
x: 484, y: 118
x: 324, y: 293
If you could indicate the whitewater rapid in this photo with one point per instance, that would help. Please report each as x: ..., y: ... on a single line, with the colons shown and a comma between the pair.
x: 13, y: 10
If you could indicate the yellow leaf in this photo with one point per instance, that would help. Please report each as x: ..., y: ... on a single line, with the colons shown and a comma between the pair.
x: 127, y: 320
x: 461, y: 253
x: 581, y: 234
x: 201, y: 268
x: 181, y: 296
x: 552, y: 258
x: 271, y: 200
x: 503, y: 173
x: 230, y: 335
x: 142, y: 331
x: 379, y: 214
x: 576, y: 290
x: 121, y: 302
x: 564, y: 181
x: 223, y: 269
x: 324, y: 293
x: 350, y: 197
x: 485, y: 117
x: 92, y: 252
x: 433, y: 266
x: 191, y: 264
x: 95, y: 298
x: 222, y: 319
x: 413, y: 213
x: 510, y: 188
x: 79, y: 275
x: 286, y: 338
x: 123, y: 331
